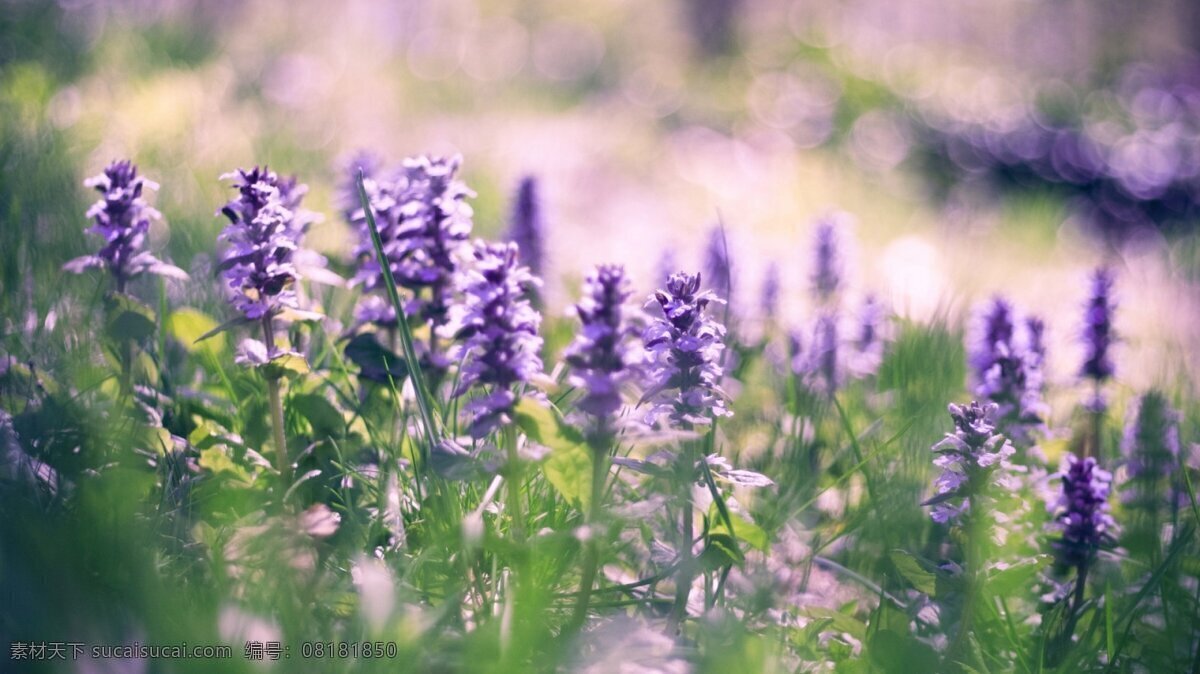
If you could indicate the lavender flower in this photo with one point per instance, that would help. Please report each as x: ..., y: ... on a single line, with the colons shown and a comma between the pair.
x: 1009, y: 373
x: 603, y: 357
x: 263, y: 237
x: 526, y: 228
x: 123, y: 218
x: 717, y: 263
x: 500, y: 333
x: 683, y: 350
x: 1098, y: 334
x: 1082, y: 512
x: 424, y: 225
x: 771, y: 288
x: 869, y: 340
x: 968, y: 458
x: 828, y: 256
x: 824, y: 363
x: 347, y: 200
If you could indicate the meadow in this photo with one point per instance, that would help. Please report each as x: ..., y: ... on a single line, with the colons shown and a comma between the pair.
x: 497, y: 338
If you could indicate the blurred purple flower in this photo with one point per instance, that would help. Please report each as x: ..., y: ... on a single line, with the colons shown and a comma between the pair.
x: 500, y: 332
x: 346, y: 200
x: 1009, y: 373
x: 603, y: 356
x: 1098, y: 333
x: 526, y: 227
x: 824, y: 365
x: 717, y: 263
x: 1082, y: 512
x: 771, y: 289
x: 828, y: 259
x: 1151, y: 450
x: 123, y: 218
x: 263, y: 237
x: 967, y: 458
x: 683, y: 350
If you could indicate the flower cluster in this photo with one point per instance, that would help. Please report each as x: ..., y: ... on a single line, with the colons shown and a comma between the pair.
x: 263, y: 236
x: 771, y: 289
x: 122, y: 217
x: 1098, y: 334
x: 828, y: 260
x: 1008, y: 372
x: 683, y: 350
x: 500, y: 332
x: 526, y: 228
x: 967, y: 458
x: 424, y: 225
x: 869, y: 337
x: 603, y: 358
x: 1082, y: 511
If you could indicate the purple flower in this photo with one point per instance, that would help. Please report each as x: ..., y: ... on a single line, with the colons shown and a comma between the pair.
x: 1098, y: 334
x: 500, y: 332
x: 828, y: 256
x: 824, y: 363
x: 869, y: 339
x: 526, y: 228
x: 1009, y: 373
x: 263, y: 235
x: 717, y: 263
x: 967, y: 458
x: 603, y: 356
x: 347, y: 201
x: 683, y: 350
x: 123, y: 218
x: 1082, y: 511
x: 424, y: 225
x: 771, y: 288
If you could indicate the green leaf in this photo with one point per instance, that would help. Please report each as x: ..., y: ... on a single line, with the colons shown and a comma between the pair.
x: 127, y: 319
x: 891, y: 651
x: 324, y: 418
x: 840, y: 622
x: 1009, y: 581
x: 217, y: 460
x: 743, y: 530
x: 569, y: 466
x: 285, y: 364
x: 721, y: 551
x: 915, y: 571
x: 190, y: 326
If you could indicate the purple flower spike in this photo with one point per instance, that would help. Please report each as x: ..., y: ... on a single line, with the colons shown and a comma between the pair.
x: 967, y: 458
x: 263, y: 235
x: 1082, y: 511
x: 1098, y: 334
x: 683, y: 350
x: 828, y: 256
x: 526, y: 228
x: 603, y: 356
x: 424, y: 225
x: 500, y: 332
x: 347, y: 199
x: 995, y: 338
x: 1008, y: 372
x: 123, y: 218
x: 771, y: 288
x: 717, y: 263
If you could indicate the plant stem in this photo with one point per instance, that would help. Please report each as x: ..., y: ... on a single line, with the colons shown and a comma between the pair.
x: 683, y: 581
x: 514, y: 484
x: 600, y: 451
x: 276, y: 405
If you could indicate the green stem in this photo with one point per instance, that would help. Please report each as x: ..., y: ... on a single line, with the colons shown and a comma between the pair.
x: 276, y: 405
x: 600, y: 452
x: 683, y: 581
x: 514, y: 484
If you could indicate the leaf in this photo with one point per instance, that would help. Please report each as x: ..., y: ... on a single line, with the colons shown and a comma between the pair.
x: 375, y: 362
x: 839, y: 621
x: 325, y: 419
x: 891, y: 651
x: 743, y: 530
x: 1009, y: 581
x: 217, y: 460
x: 569, y: 466
x: 127, y: 319
x: 721, y: 551
x: 745, y: 478
x: 285, y: 364
x: 188, y: 326
x: 914, y: 571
